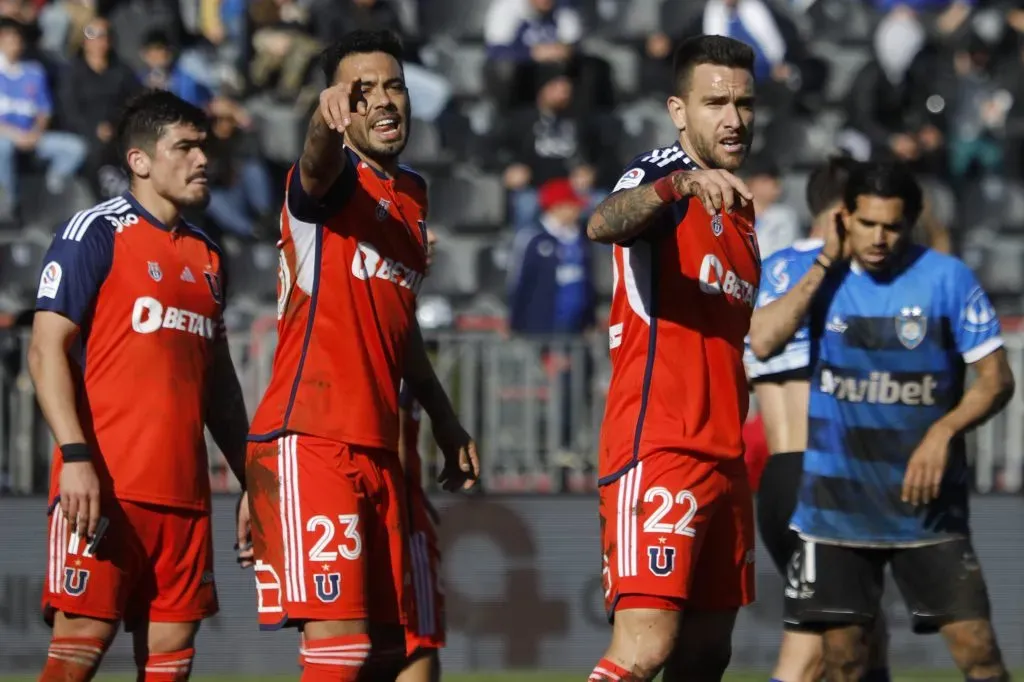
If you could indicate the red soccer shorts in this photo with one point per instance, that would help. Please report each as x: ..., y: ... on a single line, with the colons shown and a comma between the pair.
x: 426, y: 626
x: 149, y: 563
x: 327, y: 531
x: 677, y: 528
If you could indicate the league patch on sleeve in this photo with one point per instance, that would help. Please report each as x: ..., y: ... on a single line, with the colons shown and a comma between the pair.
x: 630, y: 179
x: 49, y: 281
x: 978, y: 314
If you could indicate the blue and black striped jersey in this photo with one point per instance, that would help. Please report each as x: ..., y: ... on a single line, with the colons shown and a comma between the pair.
x: 889, y: 359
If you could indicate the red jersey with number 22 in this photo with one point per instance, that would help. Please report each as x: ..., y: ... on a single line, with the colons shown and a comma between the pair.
x: 683, y: 295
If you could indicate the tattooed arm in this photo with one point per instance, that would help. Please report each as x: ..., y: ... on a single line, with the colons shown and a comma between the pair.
x: 625, y: 214
x: 323, y: 157
x: 226, y: 416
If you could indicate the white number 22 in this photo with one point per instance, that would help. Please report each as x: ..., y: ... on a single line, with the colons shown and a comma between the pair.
x: 349, y: 550
x: 654, y: 523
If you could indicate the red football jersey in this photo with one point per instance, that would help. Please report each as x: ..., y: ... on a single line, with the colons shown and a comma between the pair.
x: 683, y: 295
x: 350, y: 267
x: 148, y: 300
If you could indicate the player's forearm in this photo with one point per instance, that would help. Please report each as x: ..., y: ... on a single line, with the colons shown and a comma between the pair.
x: 55, y: 391
x: 986, y: 397
x: 323, y: 157
x: 773, y: 325
x: 425, y: 386
x: 403, y: 442
x: 226, y: 416
x: 625, y: 214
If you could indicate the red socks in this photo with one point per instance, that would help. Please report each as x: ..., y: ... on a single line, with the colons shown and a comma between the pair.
x: 606, y: 671
x: 335, y: 659
x: 175, y: 666
x: 72, y: 659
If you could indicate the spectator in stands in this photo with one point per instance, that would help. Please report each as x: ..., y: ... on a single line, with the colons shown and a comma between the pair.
x: 241, y: 196
x: 886, y: 106
x: 25, y: 111
x: 551, y: 284
x: 62, y: 23
x: 782, y: 65
x: 949, y: 15
x: 162, y: 72
x: 548, y: 141
x: 282, y: 45
x: 528, y: 39
x: 135, y: 21
x: 777, y: 224
x: 92, y: 91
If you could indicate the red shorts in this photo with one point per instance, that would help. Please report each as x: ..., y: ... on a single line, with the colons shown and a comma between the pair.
x: 676, y: 528
x: 426, y: 627
x: 149, y: 563
x: 327, y: 531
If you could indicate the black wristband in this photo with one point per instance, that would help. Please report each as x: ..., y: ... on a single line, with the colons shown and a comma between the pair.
x: 824, y: 261
x: 75, y: 452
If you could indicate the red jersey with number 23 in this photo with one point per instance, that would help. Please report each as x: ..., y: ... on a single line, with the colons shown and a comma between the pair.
x: 684, y: 291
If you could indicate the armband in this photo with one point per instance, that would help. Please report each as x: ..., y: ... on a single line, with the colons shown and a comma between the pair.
x: 75, y: 452
x: 666, y: 189
x: 824, y: 262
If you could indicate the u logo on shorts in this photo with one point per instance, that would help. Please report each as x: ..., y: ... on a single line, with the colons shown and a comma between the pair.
x: 662, y: 560
x: 328, y: 586
x: 75, y: 581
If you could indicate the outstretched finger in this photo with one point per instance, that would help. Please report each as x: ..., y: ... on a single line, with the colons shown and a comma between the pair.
x: 739, y: 185
x: 356, y: 101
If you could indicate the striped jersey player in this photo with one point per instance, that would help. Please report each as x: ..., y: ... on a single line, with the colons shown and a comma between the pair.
x: 885, y: 478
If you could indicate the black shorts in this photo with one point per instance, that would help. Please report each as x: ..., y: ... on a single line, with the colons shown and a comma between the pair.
x: 831, y: 586
x: 776, y: 501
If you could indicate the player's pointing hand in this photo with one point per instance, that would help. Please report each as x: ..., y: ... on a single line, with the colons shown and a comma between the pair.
x: 718, y: 190
x: 461, y: 462
x: 339, y: 102
x: 80, y: 497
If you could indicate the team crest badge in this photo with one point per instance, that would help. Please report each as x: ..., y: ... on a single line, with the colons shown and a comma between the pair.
x: 154, y: 271
x: 911, y: 325
x: 382, y: 209
x: 661, y: 560
x: 213, y: 281
x: 716, y: 225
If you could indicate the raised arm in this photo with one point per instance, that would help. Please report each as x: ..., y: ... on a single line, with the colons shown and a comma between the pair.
x: 323, y: 158
x: 773, y: 325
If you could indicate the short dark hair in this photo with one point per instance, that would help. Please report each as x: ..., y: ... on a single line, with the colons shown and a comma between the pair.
x: 147, y: 115
x: 827, y: 183
x: 716, y: 50
x: 8, y: 24
x: 888, y: 180
x: 359, y: 42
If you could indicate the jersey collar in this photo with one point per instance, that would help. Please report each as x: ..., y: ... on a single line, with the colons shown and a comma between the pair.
x: 149, y: 217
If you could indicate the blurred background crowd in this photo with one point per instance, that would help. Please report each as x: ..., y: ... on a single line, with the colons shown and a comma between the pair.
x: 525, y: 113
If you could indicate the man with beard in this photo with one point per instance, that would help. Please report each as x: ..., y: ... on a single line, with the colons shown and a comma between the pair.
x: 328, y: 498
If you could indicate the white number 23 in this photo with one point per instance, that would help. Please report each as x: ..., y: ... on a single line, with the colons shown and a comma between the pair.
x: 350, y: 529
x: 684, y: 498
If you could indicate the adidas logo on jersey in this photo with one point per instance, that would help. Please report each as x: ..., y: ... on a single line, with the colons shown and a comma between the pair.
x: 368, y: 263
x: 149, y: 315
x: 879, y: 388
x: 186, y: 276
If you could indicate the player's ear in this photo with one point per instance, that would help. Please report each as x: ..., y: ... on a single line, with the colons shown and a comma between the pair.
x: 677, y: 111
x: 138, y: 162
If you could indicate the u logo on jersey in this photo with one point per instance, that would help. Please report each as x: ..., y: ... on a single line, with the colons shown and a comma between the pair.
x: 911, y: 326
x: 662, y: 559
x: 328, y: 586
x: 382, y: 209
x: 75, y: 581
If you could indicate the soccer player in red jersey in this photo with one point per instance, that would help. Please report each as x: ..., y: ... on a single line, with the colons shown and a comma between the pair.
x: 676, y: 508
x: 326, y: 487
x: 130, y: 362
x: 425, y: 631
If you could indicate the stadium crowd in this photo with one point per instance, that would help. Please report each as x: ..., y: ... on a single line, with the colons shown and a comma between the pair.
x: 528, y: 107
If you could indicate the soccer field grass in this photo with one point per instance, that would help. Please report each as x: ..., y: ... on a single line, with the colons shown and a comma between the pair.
x: 514, y: 676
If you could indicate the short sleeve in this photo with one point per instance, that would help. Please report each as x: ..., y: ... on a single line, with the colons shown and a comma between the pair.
x: 646, y: 169
x: 318, y: 210
x: 75, y: 267
x: 976, y: 328
x: 779, y: 273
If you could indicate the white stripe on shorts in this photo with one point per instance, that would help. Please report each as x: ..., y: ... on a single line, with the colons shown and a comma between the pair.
x: 629, y: 494
x: 291, y: 518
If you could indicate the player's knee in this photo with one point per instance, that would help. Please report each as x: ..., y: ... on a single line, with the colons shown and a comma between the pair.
x: 800, y: 657
x: 844, y: 656
x: 162, y: 638
x: 973, y: 647
x: 642, y: 654
x: 334, y: 659
x: 68, y: 625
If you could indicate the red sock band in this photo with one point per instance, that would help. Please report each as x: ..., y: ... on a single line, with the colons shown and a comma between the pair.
x: 606, y: 671
x: 335, y: 659
x: 175, y: 666
x: 72, y: 659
